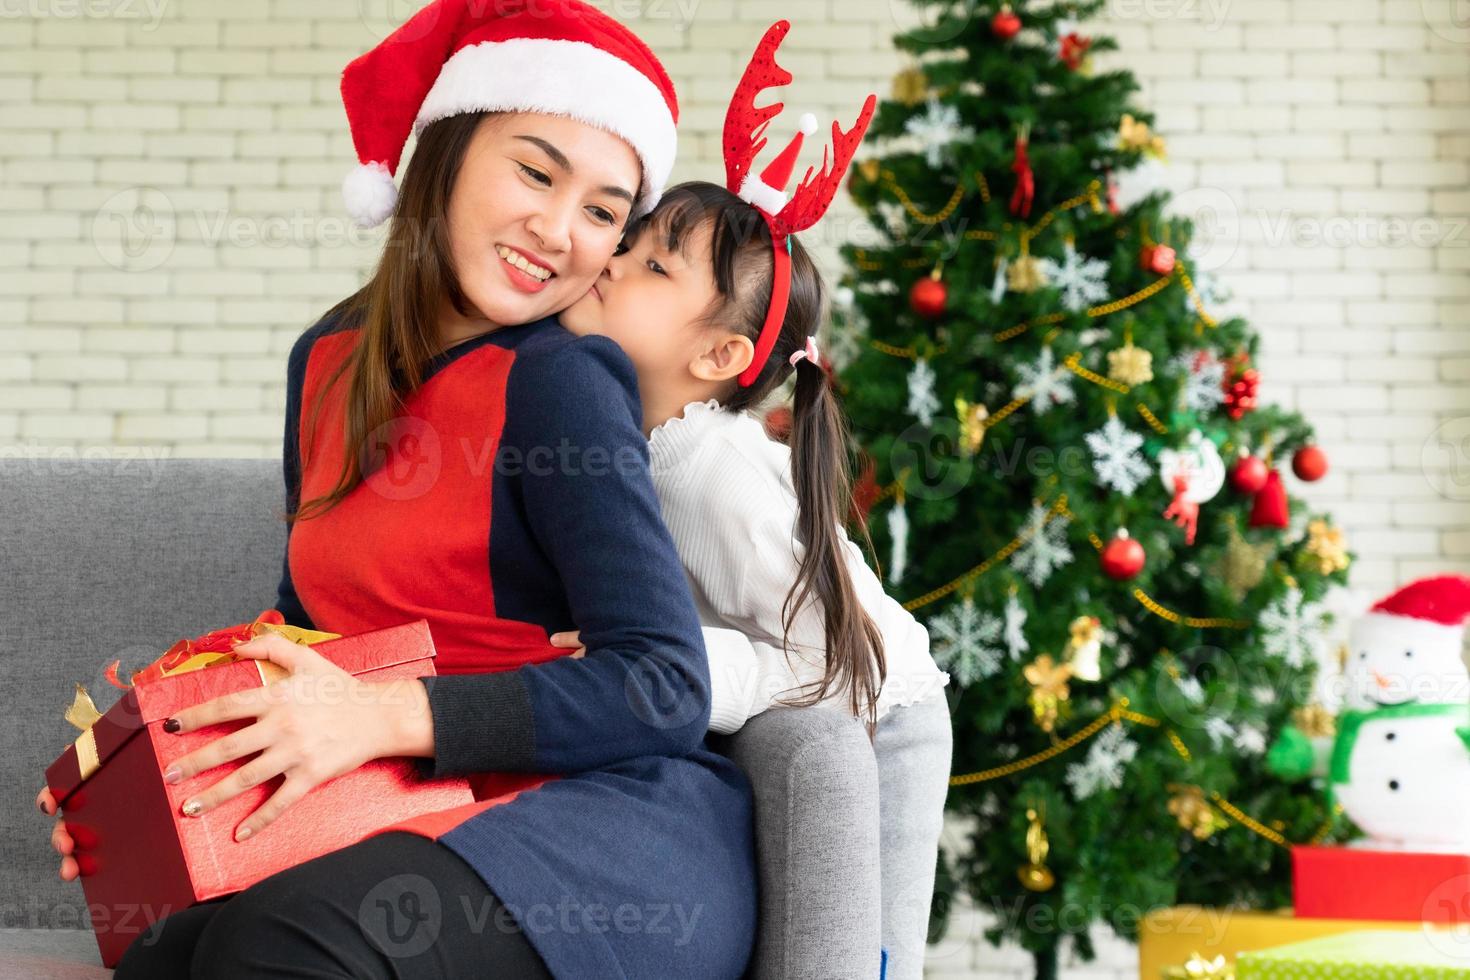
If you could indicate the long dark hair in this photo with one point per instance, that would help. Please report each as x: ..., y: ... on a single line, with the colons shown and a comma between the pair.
x: 740, y: 249
x: 398, y: 308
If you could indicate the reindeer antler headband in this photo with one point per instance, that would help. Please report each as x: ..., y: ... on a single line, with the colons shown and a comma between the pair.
x: 745, y: 127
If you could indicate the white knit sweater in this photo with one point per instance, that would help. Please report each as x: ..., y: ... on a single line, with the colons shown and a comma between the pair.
x: 726, y: 493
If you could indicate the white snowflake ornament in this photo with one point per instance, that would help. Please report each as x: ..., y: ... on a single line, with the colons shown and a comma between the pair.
x: 1015, y: 636
x: 1044, y: 547
x: 847, y: 337
x: 1204, y: 374
x: 936, y: 129
x: 922, y: 401
x: 1044, y: 383
x: 1083, y: 281
x: 965, y: 642
x: 1107, y: 758
x: 1191, y: 688
x: 1293, y: 629
x: 1250, y: 740
x: 1115, y: 452
x: 1219, y: 730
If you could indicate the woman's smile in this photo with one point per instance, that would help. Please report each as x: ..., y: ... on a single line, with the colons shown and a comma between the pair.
x: 524, y: 272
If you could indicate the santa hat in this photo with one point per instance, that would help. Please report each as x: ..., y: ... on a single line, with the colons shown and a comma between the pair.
x: 1428, y: 613
x: 561, y: 57
x: 1444, y: 600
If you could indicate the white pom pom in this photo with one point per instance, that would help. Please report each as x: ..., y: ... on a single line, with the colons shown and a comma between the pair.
x: 369, y: 193
x: 808, y: 123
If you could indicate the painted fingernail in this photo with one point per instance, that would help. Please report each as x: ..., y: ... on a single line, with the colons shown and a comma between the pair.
x: 192, y: 808
x: 171, y: 725
x: 242, y: 833
x: 173, y: 774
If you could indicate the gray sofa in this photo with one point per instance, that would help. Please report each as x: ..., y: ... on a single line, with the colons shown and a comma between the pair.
x: 119, y: 558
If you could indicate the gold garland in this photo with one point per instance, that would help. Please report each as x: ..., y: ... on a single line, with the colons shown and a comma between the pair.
x: 1059, y: 509
x: 910, y: 352
x: 891, y: 182
x: 1093, y: 312
x: 1149, y: 603
x: 1199, y: 304
x: 987, y: 564
x: 1118, y: 713
x: 1110, y: 716
x: 1152, y: 420
x: 1152, y: 605
x: 1074, y: 364
x: 1010, y: 333
x: 956, y: 198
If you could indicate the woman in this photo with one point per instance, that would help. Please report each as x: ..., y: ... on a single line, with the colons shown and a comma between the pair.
x: 512, y: 500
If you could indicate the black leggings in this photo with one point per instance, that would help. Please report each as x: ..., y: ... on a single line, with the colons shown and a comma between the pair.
x: 396, y: 905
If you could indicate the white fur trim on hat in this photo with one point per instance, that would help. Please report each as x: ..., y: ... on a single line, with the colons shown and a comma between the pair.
x: 369, y: 193
x: 755, y: 191
x: 564, y: 78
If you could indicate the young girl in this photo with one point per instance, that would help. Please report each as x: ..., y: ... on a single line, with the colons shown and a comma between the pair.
x: 694, y: 298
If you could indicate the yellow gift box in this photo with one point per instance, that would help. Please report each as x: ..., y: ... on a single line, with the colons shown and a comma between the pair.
x: 1169, y: 938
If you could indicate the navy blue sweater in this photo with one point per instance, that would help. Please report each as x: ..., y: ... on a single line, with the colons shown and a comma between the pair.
x: 514, y: 500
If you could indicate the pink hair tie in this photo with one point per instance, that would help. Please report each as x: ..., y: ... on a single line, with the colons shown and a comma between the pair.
x: 809, y: 352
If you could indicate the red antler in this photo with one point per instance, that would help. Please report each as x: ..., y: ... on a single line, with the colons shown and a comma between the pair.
x: 745, y: 124
x: 812, y: 197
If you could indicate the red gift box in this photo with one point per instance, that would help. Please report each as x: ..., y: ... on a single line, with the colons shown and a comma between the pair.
x: 1397, y: 886
x: 142, y: 859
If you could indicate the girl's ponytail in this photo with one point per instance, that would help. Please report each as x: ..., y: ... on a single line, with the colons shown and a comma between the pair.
x: 823, y: 482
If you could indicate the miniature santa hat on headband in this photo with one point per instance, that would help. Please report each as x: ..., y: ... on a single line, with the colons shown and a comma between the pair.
x: 561, y: 57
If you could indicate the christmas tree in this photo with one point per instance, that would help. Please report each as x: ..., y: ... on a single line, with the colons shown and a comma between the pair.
x: 1069, y: 481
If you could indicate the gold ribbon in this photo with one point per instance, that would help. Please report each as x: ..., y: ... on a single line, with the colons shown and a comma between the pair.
x: 86, y: 746
x: 1199, y: 968
x: 83, y: 712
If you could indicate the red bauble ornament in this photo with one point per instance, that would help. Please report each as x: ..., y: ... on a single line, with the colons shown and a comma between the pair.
x: 1158, y: 259
x: 1309, y: 463
x: 929, y: 296
x: 1270, y: 508
x: 1005, y: 25
x: 1248, y: 475
x: 778, y: 423
x: 1122, y: 557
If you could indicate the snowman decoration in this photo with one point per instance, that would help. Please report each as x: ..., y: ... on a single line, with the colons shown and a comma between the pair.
x: 1400, y: 765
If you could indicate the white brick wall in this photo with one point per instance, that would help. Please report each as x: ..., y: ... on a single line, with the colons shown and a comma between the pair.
x: 172, y: 222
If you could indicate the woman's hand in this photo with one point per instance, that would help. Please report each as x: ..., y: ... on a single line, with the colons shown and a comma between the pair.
x: 313, y: 726
x: 61, y: 841
x: 571, y: 640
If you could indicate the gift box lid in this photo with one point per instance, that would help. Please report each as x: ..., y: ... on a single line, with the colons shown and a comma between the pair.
x: 1442, y: 954
x: 159, y: 699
